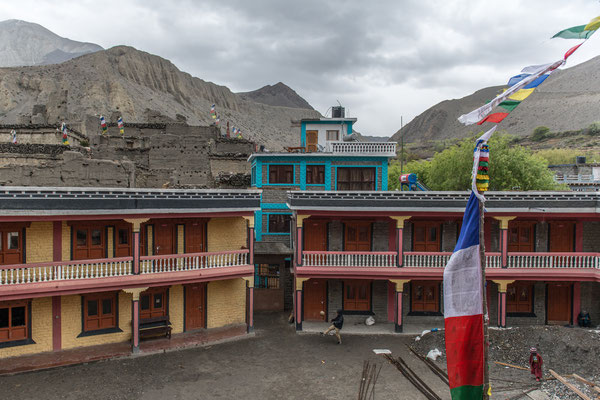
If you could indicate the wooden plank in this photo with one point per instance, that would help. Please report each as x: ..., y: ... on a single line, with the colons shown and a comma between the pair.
x: 511, y: 365
x: 567, y: 384
x: 583, y: 380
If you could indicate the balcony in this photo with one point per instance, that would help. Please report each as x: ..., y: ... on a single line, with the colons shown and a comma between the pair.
x: 387, y: 149
x: 192, y: 261
x: 349, y: 259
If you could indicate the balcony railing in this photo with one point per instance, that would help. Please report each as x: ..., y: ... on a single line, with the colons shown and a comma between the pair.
x: 349, y: 259
x: 117, y: 267
x: 383, y: 148
x: 192, y: 261
x: 416, y: 259
x: 65, y: 270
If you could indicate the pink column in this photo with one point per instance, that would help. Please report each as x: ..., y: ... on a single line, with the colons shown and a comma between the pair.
x: 298, y: 310
x: 251, y: 246
x: 135, y: 325
x: 502, y: 309
x: 576, y: 301
x: 504, y: 246
x: 399, y: 249
x: 136, y: 252
x: 299, y: 245
x: 398, y: 321
x: 250, y: 309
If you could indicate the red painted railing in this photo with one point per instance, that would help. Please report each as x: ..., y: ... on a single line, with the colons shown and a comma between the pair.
x: 192, y: 261
x: 349, y: 258
x: 64, y: 270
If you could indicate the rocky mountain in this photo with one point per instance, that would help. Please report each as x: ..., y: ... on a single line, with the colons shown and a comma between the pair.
x: 135, y: 84
x: 24, y: 43
x: 568, y: 100
x: 276, y: 95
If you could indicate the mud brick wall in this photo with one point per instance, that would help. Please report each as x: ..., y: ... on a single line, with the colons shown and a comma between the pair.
x: 541, y: 236
x: 225, y: 234
x: 226, y: 302
x: 38, y: 242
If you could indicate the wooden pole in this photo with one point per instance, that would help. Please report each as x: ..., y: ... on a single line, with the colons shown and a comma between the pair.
x: 486, y: 369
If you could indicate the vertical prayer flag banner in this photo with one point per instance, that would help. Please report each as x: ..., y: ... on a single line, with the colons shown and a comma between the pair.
x: 121, y: 125
x: 13, y: 135
x: 103, y: 125
x: 213, y: 112
x: 65, y: 139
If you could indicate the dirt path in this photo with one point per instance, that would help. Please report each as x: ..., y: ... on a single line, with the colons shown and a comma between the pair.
x: 276, y: 364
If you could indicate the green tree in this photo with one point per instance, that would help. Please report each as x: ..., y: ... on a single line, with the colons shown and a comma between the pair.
x: 511, y: 166
x: 540, y: 133
x: 419, y: 167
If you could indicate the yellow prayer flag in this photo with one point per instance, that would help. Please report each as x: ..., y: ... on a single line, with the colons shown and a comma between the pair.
x: 593, y: 24
x: 522, y: 94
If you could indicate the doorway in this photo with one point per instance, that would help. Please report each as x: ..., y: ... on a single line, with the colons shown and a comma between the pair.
x: 195, y: 306
x: 559, y: 304
x: 315, y: 300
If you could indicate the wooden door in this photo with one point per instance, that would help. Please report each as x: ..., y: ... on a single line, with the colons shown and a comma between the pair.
x: 427, y: 236
x: 11, y: 246
x: 357, y: 236
x: 312, y: 140
x: 562, y: 236
x: 559, y: 303
x: 195, y: 306
x: 88, y: 242
x: 315, y: 235
x: 195, y: 237
x: 357, y: 295
x: 520, y: 236
x: 163, y: 238
x: 153, y: 303
x: 425, y: 296
x: 315, y: 300
x: 123, y: 239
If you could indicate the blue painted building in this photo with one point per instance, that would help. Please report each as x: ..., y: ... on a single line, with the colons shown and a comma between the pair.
x: 327, y: 159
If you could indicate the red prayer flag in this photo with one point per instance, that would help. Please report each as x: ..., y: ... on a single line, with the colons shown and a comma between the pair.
x: 572, y: 50
x: 495, y: 118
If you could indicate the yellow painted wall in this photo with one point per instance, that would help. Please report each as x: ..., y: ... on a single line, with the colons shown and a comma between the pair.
x: 110, y: 245
x: 38, y: 242
x: 226, y: 234
x: 41, y: 330
x: 226, y: 302
x: 71, y: 323
x: 180, y: 239
x: 176, y: 308
x: 149, y: 240
x: 66, y: 242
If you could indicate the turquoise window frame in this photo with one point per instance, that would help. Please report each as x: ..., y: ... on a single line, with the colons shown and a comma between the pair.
x: 305, y: 167
x: 294, y: 165
x: 378, y: 169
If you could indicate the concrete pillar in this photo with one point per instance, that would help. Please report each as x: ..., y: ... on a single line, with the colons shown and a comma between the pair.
x: 399, y: 239
x: 298, y: 302
x: 399, y: 286
x: 135, y: 240
x: 504, y: 238
x: 250, y: 305
x: 135, y: 318
x: 502, y: 285
x: 299, y: 238
x: 250, y: 240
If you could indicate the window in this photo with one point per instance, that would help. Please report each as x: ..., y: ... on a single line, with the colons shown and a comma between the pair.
x: 11, y: 245
x: 520, y: 236
x: 426, y: 236
x: 425, y: 296
x: 279, y: 223
x: 281, y: 174
x: 315, y: 174
x: 357, y: 236
x: 357, y: 295
x: 333, y: 135
x: 14, y: 321
x: 253, y: 176
x: 355, y: 178
x: 519, y: 298
x: 88, y: 242
x: 153, y: 303
x: 99, y: 311
x: 123, y: 240
x: 267, y: 276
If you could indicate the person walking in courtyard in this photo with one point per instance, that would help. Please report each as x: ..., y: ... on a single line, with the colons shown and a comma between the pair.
x: 535, y: 363
x: 336, y: 324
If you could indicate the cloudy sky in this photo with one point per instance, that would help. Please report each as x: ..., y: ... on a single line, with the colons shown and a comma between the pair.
x: 381, y: 59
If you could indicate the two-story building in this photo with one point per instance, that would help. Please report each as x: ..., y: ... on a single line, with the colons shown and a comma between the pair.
x: 323, y: 161
x: 89, y: 266
x: 383, y: 254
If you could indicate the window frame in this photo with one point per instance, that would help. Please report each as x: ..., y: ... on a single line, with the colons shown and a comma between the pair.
x: 23, y: 339
x: 271, y: 232
x: 266, y: 277
x: 279, y: 172
x: 310, y: 172
x: 342, y: 185
x: 357, y: 284
x: 6, y: 251
x: 357, y: 225
x: 88, y: 227
x: 437, y: 298
x: 427, y: 225
x: 337, y: 135
x: 519, y: 225
x: 515, y: 303
x: 99, y: 297
x: 153, y: 292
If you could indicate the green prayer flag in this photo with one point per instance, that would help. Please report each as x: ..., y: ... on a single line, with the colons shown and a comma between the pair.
x: 509, y: 105
x: 576, y: 32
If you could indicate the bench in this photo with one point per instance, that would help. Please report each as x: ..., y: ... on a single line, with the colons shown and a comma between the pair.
x: 155, y: 326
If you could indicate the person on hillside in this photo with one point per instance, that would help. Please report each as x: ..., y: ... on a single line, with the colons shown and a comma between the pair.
x: 584, y: 320
x: 535, y: 363
x: 336, y: 324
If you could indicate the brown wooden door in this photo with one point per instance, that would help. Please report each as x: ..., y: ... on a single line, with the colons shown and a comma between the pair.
x: 153, y: 303
x: 559, y: 303
x: 562, y: 236
x: 163, y: 238
x: 312, y: 139
x: 195, y: 237
x: 315, y: 235
x: 195, y: 306
x: 11, y: 246
x: 88, y: 242
x: 357, y: 295
x: 427, y: 236
x: 520, y: 236
x: 123, y: 240
x: 425, y: 296
x: 315, y: 300
x: 357, y: 236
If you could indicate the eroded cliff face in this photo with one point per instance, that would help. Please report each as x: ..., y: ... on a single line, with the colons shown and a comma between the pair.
x: 129, y: 82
